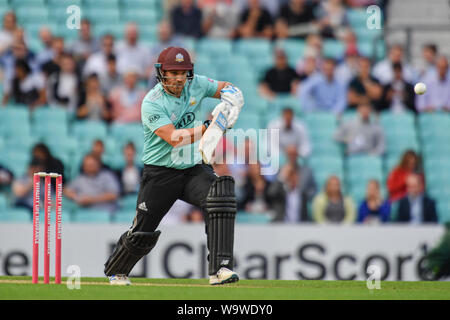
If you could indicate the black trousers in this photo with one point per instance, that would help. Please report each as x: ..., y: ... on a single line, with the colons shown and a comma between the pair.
x: 161, y: 187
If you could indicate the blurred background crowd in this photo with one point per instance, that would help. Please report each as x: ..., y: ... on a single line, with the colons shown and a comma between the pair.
x: 356, y: 144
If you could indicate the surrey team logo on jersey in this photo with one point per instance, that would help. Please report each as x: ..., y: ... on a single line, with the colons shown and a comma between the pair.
x: 179, y: 58
x: 192, y: 101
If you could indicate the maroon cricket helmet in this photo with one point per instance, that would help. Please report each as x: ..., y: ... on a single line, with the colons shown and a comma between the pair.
x: 175, y: 58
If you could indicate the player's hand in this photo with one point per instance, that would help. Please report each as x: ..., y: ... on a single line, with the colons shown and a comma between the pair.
x: 230, y: 113
x: 233, y: 96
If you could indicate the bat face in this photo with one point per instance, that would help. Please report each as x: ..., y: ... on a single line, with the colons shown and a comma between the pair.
x: 212, y: 136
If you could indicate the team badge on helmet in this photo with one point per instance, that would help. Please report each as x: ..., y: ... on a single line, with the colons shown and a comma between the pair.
x: 179, y: 58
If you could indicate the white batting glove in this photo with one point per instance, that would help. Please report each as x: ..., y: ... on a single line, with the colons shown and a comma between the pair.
x: 230, y: 113
x: 233, y: 96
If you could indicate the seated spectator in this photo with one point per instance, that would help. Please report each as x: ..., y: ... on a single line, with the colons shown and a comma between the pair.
x: 51, y: 164
x: 7, y: 32
x: 295, y: 19
x: 396, y: 181
x: 98, y: 62
x: 187, y: 19
x: 416, y: 207
x: 292, y: 132
x: 130, y: 175
x: 64, y: 86
x: 86, y: 44
x: 94, y: 188
x: 429, y: 57
x: 46, y: 54
x: 374, y: 210
x: 194, y: 215
x: 255, y: 22
x: 384, y: 72
x: 26, y: 87
x: 323, y: 91
x: 331, y: 16
x: 126, y: 99
x: 313, y: 49
x: 6, y: 178
x: 166, y: 39
x: 220, y: 19
x: 364, y: 87
x: 93, y: 105
x: 308, y: 69
x: 362, y: 135
x: 97, y: 151
x: 348, y: 69
x: 131, y: 54
x: 22, y: 187
x: 255, y: 198
x: 331, y: 206
x: 437, y: 97
x: 281, y: 79
x: 54, y: 64
x: 111, y: 78
x: 398, y: 96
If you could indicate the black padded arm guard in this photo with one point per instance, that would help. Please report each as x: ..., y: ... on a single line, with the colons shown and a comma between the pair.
x: 220, y: 208
x: 130, y: 248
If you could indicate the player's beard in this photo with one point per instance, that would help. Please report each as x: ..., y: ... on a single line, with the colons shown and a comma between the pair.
x: 174, y: 89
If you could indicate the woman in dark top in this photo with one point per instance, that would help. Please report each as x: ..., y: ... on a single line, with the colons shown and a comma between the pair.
x: 374, y: 209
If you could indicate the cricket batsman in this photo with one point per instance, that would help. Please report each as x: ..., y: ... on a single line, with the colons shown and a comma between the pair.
x: 168, y: 114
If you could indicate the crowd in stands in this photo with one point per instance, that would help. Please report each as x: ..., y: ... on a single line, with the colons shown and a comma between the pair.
x: 104, y: 79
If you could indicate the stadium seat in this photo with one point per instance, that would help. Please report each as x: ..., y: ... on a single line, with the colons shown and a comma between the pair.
x: 333, y: 49
x: 102, y: 4
x: 253, y: 218
x: 4, y: 202
x: 63, y: 3
x: 443, y: 211
x: 128, y: 202
x: 140, y: 4
x: 140, y: 16
x: 15, y: 161
x: 91, y: 216
x: 253, y: 48
x: 427, y: 120
x: 124, y: 216
x: 10, y: 116
x: 89, y: 130
x: 215, y: 48
x: 16, y: 215
x: 357, y: 18
x: 16, y: 4
x: 37, y: 15
x: 294, y: 49
x: 102, y: 15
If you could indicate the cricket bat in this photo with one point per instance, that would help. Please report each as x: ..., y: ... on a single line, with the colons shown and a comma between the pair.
x: 212, y: 136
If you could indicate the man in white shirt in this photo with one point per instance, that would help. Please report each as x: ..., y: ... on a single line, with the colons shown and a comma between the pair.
x: 383, y: 70
x: 97, y: 62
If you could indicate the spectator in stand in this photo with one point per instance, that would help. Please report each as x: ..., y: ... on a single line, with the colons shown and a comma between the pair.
x: 308, y: 69
x: 374, y: 210
x: 111, y: 78
x: 95, y: 188
x: 281, y: 79
x: 131, y: 54
x: 313, y: 49
x: 348, y: 69
x: 295, y: 19
x: 331, y: 16
x: 255, y: 21
x: 130, y: 175
x: 288, y: 198
x: 97, y: 151
x: 323, y: 91
x: 292, y: 132
x: 18, y: 51
x: 46, y: 54
x: 416, y: 207
x: 398, y: 96
x: 187, y: 19
x: 54, y: 64
x: 384, y: 72
x: 429, y: 56
x: 166, y: 39
x: 98, y: 62
x: 255, y: 189
x: 22, y: 188
x: 361, y: 135
x: 6, y: 179
x: 364, y: 87
x: 26, y: 87
x: 396, y: 181
x: 126, y: 99
x: 64, y: 86
x: 437, y: 97
x: 331, y: 206
x: 7, y: 32
x: 50, y: 164
x: 86, y: 44
x: 93, y: 105
x: 220, y: 19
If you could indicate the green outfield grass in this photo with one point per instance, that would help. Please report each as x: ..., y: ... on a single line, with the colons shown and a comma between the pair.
x: 198, y: 289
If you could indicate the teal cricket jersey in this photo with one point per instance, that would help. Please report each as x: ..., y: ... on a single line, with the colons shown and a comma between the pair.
x: 160, y: 108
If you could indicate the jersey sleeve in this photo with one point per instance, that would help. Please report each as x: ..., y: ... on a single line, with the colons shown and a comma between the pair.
x: 153, y: 115
x: 208, y: 86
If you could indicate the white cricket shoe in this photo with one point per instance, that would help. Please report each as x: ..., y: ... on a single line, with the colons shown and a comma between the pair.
x: 223, y: 276
x: 119, y: 280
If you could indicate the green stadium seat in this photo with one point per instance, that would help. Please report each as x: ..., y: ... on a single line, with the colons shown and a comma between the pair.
x: 91, y: 216
x: 253, y: 48
x: 322, y: 147
x: 140, y: 4
x: 333, y: 164
x: 322, y: 175
x: 215, y: 48
x: 248, y: 121
x: 294, y: 49
x: 367, y: 49
x: 261, y: 64
x: 427, y: 120
x: 4, y: 202
x: 102, y: 15
x: 14, y: 121
x: 21, y: 144
x: 284, y: 101
x: 140, y: 16
x: 443, y: 211
x: 16, y: 161
x: 37, y: 15
x: 116, y: 29
x: 368, y: 35
x: 16, y: 215
x: 124, y: 216
x: 253, y: 218
x: 128, y: 202
x: 63, y: 3
x: 89, y: 130
x: 389, y: 119
x: 257, y: 104
x: 357, y: 18
x: 333, y: 49
x: 30, y: 4
x: 101, y: 3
